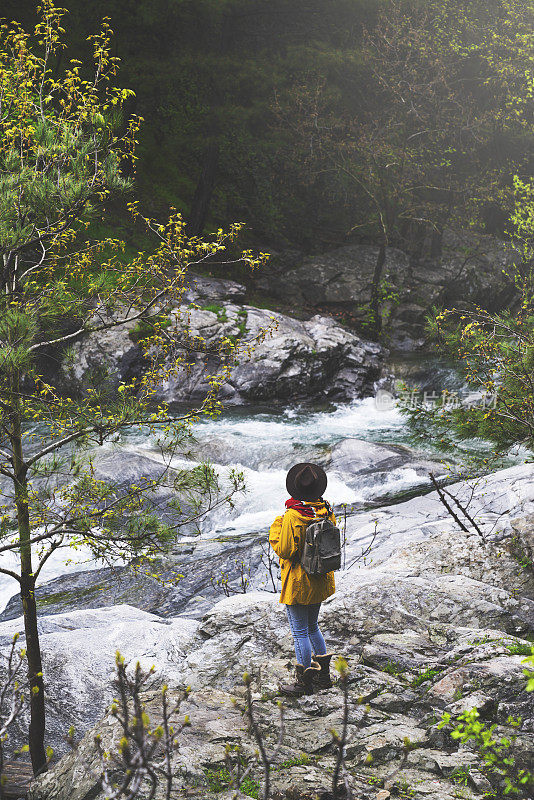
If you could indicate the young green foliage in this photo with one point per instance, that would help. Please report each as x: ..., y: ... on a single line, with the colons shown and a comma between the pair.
x: 64, y: 148
x: 497, y: 753
x: 495, y: 352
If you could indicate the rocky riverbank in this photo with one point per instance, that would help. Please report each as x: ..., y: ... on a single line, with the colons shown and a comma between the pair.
x: 471, y: 269
x: 188, y: 576
x: 312, y: 358
x: 433, y: 619
x: 310, y: 361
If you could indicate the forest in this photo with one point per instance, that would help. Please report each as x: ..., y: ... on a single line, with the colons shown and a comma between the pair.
x: 310, y: 120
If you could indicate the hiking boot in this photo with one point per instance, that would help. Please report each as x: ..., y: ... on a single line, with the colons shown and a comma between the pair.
x: 304, y: 682
x: 322, y: 678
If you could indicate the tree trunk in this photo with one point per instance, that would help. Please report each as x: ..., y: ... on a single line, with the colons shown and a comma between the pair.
x: 204, y: 191
x: 35, y: 675
x: 27, y: 593
x: 436, y: 242
x: 374, y: 303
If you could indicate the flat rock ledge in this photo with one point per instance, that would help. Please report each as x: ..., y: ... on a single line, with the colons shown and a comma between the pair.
x: 438, y: 621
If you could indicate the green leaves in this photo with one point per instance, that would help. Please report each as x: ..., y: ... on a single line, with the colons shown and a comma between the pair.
x: 61, y: 149
x: 529, y: 673
x: 496, y: 753
x: 17, y: 330
x: 496, y: 353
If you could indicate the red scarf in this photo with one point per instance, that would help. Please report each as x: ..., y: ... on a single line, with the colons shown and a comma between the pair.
x: 299, y: 506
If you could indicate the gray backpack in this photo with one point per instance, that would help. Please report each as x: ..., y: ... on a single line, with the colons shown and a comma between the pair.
x: 322, y: 547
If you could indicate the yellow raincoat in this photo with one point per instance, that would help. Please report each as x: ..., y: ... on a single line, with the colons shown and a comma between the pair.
x: 286, y: 537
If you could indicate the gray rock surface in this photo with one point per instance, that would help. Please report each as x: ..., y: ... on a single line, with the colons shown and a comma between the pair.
x: 204, y: 290
x: 186, y: 576
x: 377, y: 472
x: 309, y: 360
x: 386, y: 711
x: 494, y: 501
x: 359, y: 462
x: 469, y: 271
x: 187, y: 581
x: 435, y: 622
x: 79, y: 653
x: 109, y: 356
x: 312, y: 360
x: 522, y: 542
x: 189, y: 577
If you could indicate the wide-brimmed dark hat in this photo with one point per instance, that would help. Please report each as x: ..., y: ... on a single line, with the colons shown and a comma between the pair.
x: 306, y: 481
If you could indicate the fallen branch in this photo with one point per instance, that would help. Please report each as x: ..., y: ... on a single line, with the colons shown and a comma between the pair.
x: 443, y: 494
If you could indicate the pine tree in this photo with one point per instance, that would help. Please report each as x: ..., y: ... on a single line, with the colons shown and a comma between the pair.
x: 65, y: 148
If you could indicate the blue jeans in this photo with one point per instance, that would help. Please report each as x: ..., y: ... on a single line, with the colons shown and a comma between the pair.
x: 306, y: 633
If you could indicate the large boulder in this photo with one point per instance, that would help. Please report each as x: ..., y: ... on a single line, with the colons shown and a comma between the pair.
x: 295, y: 360
x: 204, y: 289
x: 109, y: 357
x: 115, y: 354
x: 378, y: 471
x: 79, y: 648
x: 338, y: 277
x: 282, y: 359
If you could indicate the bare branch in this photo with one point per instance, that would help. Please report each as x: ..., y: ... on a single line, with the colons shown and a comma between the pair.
x: 11, y: 696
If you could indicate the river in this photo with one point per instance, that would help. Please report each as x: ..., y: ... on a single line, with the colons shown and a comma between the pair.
x: 264, y: 442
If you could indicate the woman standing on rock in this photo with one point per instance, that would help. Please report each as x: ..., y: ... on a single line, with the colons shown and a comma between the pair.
x: 303, y: 593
